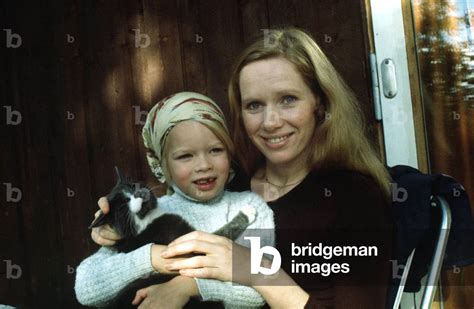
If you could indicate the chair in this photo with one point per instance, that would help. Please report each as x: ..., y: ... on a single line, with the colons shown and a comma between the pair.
x: 427, y: 238
x: 437, y: 260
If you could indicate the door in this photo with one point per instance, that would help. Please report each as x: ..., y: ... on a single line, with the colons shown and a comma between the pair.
x: 430, y: 44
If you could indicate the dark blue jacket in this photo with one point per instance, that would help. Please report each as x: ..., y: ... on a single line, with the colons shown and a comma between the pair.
x: 417, y: 223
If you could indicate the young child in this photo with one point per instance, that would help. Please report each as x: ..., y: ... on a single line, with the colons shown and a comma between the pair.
x: 188, y: 147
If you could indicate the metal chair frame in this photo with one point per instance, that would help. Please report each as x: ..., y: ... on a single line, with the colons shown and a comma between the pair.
x: 436, y: 261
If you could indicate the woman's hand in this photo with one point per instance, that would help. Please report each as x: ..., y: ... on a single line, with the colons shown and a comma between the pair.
x: 172, y: 294
x: 104, y: 235
x: 158, y: 262
x: 216, y: 263
x: 279, y: 290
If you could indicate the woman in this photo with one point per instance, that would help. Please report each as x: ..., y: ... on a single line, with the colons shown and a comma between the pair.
x: 300, y: 135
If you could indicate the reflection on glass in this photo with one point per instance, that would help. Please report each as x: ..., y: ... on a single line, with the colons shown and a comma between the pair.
x: 445, y: 49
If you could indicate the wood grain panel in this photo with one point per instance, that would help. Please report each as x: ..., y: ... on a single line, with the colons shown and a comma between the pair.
x: 104, y: 82
x: 222, y: 42
x: 12, y: 238
x: 254, y: 18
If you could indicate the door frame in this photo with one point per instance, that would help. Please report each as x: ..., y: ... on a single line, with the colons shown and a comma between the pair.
x: 392, y: 36
x: 391, y: 32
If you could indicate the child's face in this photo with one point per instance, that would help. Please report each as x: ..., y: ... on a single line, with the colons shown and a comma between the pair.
x: 197, y: 160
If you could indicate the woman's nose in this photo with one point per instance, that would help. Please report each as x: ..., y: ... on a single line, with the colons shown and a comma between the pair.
x: 272, y: 119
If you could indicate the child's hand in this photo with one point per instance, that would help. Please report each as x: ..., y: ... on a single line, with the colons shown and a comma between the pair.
x: 172, y: 294
x: 104, y: 235
x: 157, y: 261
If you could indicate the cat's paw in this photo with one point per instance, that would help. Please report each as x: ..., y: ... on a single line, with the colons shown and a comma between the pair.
x: 250, y: 212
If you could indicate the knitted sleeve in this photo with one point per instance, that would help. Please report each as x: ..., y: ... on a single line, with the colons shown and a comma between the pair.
x: 101, y: 276
x: 233, y: 295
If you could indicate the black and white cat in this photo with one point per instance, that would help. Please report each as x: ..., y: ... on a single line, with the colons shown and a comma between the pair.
x: 136, y: 216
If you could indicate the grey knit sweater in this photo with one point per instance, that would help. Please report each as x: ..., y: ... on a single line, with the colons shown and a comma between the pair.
x: 100, y: 277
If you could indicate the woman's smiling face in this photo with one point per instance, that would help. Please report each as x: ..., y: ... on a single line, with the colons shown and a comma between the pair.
x: 278, y: 110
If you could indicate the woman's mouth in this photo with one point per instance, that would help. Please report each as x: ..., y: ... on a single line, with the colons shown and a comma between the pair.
x: 205, y: 184
x: 277, y: 141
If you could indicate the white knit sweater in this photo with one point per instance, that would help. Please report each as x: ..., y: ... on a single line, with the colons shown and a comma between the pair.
x: 100, y: 277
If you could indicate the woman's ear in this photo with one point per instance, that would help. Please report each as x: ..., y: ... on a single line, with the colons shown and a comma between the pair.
x: 320, y: 112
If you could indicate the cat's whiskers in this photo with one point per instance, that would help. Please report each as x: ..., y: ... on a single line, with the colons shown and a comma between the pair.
x: 126, y: 214
x: 129, y: 219
x: 150, y: 189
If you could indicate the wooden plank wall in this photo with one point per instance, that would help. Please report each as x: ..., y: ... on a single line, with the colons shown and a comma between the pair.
x: 83, y: 88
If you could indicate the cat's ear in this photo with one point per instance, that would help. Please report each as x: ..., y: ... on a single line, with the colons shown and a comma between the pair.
x: 120, y: 178
x: 100, y: 220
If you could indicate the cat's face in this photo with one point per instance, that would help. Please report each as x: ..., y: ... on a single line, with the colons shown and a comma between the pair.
x: 127, y: 202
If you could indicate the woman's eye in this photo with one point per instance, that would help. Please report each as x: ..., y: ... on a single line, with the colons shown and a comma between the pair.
x: 253, y: 106
x: 288, y: 99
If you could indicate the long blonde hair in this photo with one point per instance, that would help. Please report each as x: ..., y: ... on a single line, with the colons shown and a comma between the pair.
x: 339, y: 140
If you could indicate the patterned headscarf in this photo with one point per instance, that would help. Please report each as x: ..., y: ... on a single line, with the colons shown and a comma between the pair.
x: 168, y: 113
